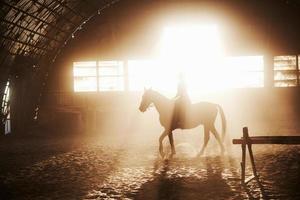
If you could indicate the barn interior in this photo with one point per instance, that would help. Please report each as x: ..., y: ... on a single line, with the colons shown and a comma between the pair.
x: 72, y: 77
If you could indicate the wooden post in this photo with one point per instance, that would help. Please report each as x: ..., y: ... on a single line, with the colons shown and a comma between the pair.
x: 243, y: 163
x: 252, y: 160
x: 297, y: 68
x: 249, y: 145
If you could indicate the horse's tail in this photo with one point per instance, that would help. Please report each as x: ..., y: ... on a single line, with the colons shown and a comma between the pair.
x: 223, y: 122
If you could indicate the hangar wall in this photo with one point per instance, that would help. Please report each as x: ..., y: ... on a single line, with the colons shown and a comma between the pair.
x: 265, y: 111
x: 25, y: 32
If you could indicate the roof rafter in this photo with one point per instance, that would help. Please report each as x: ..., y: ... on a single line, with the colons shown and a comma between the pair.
x: 27, y: 29
x: 37, y: 18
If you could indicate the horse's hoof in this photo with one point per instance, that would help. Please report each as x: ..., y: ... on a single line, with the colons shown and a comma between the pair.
x: 222, y: 152
x: 171, y: 155
x: 199, y: 155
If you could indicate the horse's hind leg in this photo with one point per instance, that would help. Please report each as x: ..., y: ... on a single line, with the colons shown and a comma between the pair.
x: 161, y: 138
x: 217, y: 136
x: 172, y: 143
x: 206, y: 138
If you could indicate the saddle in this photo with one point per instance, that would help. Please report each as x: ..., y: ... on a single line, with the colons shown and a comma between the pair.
x: 179, y: 117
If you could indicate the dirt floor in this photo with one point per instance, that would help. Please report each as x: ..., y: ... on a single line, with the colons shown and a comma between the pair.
x: 35, y: 167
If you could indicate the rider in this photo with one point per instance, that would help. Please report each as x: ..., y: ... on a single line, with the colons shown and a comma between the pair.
x: 182, y: 101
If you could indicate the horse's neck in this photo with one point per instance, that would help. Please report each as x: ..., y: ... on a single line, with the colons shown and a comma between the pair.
x: 161, y: 103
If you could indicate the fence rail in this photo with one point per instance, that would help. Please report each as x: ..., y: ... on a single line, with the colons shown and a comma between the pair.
x: 269, y: 140
x: 246, y: 142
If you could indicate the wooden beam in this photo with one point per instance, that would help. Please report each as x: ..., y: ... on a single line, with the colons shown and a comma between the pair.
x: 55, y: 13
x: 250, y: 178
x: 29, y: 30
x: 292, y: 140
x: 32, y: 16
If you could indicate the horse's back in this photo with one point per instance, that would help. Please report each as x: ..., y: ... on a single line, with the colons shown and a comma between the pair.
x: 206, y: 111
x: 205, y: 106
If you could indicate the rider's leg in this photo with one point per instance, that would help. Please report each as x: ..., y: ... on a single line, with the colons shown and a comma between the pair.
x: 172, y: 143
x: 175, y: 116
x: 206, y: 138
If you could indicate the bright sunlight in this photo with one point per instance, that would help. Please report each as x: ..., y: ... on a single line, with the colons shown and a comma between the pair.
x: 192, y: 50
x: 196, y: 51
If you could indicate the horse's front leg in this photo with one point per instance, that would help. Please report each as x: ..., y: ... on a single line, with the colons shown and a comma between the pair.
x: 171, y: 139
x: 161, y: 138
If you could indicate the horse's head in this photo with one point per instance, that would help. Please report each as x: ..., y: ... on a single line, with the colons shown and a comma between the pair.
x: 146, y: 100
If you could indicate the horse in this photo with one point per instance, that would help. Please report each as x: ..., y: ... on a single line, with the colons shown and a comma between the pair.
x: 202, y: 113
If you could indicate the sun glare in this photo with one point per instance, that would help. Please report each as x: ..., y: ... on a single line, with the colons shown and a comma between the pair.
x: 191, y: 43
x: 196, y: 51
x: 193, y: 50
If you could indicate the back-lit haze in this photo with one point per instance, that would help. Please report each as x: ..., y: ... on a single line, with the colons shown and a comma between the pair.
x: 192, y: 50
x: 149, y: 100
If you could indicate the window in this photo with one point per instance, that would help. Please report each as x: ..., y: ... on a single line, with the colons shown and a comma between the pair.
x: 151, y: 73
x: 85, y: 76
x: 286, y: 71
x: 207, y: 77
x: 95, y: 76
x: 244, y: 71
x: 5, y: 109
x: 111, y: 75
x: 234, y: 72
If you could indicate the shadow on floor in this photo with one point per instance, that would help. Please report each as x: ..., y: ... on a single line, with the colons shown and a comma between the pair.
x: 170, y: 183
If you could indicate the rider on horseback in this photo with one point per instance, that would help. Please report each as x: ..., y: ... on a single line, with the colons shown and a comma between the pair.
x: 182, y: 102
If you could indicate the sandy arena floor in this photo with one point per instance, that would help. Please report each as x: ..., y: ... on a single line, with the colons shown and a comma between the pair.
x: 63, y: 168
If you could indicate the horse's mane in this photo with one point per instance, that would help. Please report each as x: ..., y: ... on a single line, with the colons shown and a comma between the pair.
x: 161, y: 95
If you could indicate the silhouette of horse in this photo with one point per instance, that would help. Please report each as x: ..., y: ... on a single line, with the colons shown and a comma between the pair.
x: 204, y: 113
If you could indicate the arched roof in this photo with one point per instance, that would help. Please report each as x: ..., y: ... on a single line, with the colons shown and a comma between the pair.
x: 38, y: 29
x: 34, y: 32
